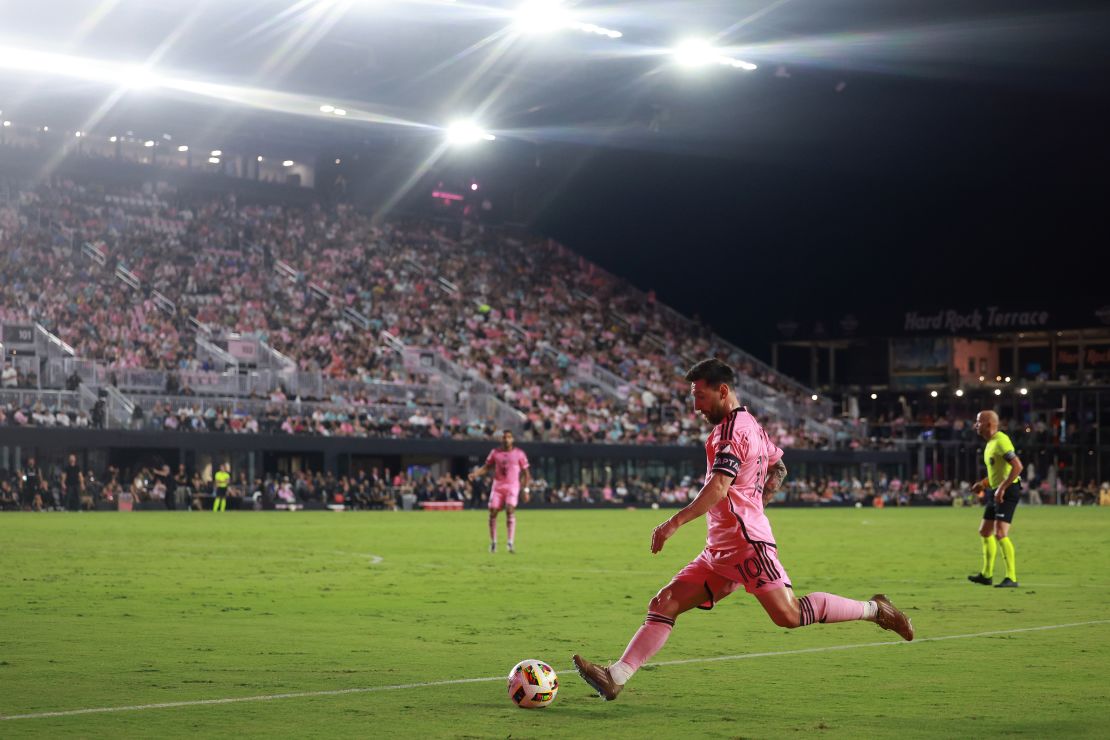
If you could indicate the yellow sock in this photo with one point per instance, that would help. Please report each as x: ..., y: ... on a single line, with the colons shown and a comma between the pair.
x: 990, y: 550
x: 1008, y: 554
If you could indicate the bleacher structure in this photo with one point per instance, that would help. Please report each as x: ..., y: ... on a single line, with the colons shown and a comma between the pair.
x: 241, y: 372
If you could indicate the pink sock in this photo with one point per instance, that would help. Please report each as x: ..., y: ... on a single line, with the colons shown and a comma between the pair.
x: 645, y: 643
x: 828, y: 608
x: 493, y: 529
x: 510, y: 520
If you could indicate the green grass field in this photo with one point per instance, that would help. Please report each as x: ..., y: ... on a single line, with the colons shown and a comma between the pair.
x: 129, y: 610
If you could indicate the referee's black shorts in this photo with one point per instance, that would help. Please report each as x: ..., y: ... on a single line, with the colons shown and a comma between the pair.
x: 1003, y: 512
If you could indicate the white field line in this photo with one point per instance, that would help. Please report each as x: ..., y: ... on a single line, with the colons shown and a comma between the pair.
x: 457, y: 681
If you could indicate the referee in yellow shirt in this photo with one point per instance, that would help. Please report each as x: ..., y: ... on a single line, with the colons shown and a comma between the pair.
x: 223, y: 480
x: 1001, y: 490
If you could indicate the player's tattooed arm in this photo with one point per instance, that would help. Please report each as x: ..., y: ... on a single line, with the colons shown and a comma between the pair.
x: 776, y: 474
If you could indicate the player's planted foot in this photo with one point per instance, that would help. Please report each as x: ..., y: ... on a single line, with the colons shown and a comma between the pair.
x: 891, y: 618
x: 980, y: 578
x: 598, y: 678
x: 512, y: 551
x: 1007, y: 583
x: 493, y: 547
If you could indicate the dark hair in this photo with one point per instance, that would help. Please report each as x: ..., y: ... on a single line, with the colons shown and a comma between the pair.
x: 712, y: 371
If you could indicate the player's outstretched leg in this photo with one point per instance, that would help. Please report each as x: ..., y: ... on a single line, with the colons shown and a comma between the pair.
x: 647, y: 641
x: 823, y: 608
x: 674, y: 599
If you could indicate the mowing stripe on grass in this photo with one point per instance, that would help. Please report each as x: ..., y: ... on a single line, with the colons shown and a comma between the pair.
x: 457, y: 681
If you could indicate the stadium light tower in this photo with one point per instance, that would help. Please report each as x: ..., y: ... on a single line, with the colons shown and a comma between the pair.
x: 466, y: 132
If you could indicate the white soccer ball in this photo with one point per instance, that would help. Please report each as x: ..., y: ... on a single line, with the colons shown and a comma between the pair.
x: 533, y: 684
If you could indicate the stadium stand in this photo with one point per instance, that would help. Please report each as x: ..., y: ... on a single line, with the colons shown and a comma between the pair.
x: 266, y: 317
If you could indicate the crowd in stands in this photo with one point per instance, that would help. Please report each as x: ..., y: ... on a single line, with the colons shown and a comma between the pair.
x: 39, y: 489
x: 320, y: 284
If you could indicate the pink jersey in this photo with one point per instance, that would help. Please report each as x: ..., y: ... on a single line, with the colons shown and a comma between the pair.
x: 741, y: 448
x: 507, y: 465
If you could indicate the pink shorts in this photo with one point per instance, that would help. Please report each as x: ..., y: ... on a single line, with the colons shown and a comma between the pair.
x: 499, y: 498
x: 756, y: 565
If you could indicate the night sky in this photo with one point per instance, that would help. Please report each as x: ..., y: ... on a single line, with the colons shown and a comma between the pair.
x: 897, y: 192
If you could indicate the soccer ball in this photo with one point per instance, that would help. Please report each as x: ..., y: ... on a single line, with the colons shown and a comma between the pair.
x: 533, y: 684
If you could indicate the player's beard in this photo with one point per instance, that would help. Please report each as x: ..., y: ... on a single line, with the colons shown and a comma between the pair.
x: 714, y: 417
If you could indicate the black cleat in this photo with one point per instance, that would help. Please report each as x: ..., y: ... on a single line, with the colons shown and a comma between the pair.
x: 493, y: 547
x: 980, y: 578
x: 1007, y: 583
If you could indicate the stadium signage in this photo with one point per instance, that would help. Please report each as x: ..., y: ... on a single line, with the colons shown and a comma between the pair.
x: 1092, y: 356
x: 19, y: 334
x: 956, y: 322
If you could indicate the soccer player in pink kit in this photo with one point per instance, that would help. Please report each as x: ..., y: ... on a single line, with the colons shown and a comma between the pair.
x: 510, y: 472
x: 744, y: 469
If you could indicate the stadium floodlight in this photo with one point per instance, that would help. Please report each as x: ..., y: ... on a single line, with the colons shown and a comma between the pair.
x: 545, y: 16
x: 259, y: 157
x: 7, y: 124
x: 216, y: 153
x: 148, y: 143
x: 1024, y: 391
x: 1007, y: 378
x: 46, y: 129
x: 934, y: 394
x: 287, y: 163
x: 327, y: 108
x: 339, y: 112
x: 183, y: 148
x: 700, y: 53
x: 541, y: 16
x: 874, y: 396
x: 77, y: 134
x: 693, y: 53
x: 959, y: 393
x: 465, y: 132
x: 473, y: 186
x: 814, y: 397
x: 113, y: 139
x: 338, y: 160
x: 998, y: 391
x: 138, y: 77
x: 213, y: 160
